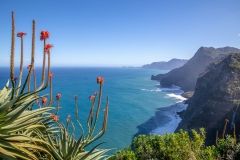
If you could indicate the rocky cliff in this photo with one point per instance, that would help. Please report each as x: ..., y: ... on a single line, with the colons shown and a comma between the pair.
x: 186, y: 76
x: 172, y: 64
x: 216, y: 97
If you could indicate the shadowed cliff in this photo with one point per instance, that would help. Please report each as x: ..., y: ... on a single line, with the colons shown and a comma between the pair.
x: 216, y: 98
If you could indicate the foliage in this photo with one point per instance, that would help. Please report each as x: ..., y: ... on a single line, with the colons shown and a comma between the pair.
x: 28, y: 129
x: 125, y: 154
x: 179, y: 146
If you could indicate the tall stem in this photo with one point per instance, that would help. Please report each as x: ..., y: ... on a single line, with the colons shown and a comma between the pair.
x: 12, y: 55
x: 43, y: 66
x: 35, y: 81
x: 21, y: 65
x: 29, y: 82
x: 49, y: 77
x: 50, y: 91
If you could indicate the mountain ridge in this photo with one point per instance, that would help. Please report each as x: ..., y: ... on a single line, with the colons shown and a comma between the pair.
x: 186, y: 76
x: 166, y: 65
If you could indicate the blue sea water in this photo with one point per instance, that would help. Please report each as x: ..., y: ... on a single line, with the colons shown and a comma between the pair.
x: 135, y: 102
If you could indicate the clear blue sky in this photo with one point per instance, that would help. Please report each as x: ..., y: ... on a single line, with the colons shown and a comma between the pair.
x: 120, y: 32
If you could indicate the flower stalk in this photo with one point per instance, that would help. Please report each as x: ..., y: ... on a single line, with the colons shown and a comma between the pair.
x: 12, y: 56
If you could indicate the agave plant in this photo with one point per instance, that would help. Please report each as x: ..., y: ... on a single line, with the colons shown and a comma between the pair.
x: 63, y: 146
x: 30, y: 133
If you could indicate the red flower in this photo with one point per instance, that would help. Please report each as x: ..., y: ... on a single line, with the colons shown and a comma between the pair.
x: 15, y: 79
x: 100, y: 80
x: 44, y: 100
x: 52, y: 115
x: 55, y: 118
x: 58, y: 96
x: 44, y: 35
x: 50, y: 75
x: 21, y: 34
x: 47, y: 47
x: 75, y: 96
x: 29, y: 66
x: 91, y: 97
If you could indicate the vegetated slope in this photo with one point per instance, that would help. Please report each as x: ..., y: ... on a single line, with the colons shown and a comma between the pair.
x: 186, y: 76
x: 172, y: 64
x: 216, y: 98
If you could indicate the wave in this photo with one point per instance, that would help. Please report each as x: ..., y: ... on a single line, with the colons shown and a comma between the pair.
x: 171, y: 112
x: 171, y: 126
x: 177, y: 96
x: 152, y: 90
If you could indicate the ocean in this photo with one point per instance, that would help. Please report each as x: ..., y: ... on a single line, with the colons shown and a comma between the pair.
x: 137, y: 105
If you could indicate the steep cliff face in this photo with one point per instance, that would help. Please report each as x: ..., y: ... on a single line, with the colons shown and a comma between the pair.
x: 216, y: 98
x: 186, y: 76
x: 172, y: 64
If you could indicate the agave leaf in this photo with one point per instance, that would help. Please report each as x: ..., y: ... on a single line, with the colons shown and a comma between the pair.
x: 16, y: 114
x: 30, y: 114
x: 3, y: 156
x: 7, y: 106
x: 25, y: 151
x: 85, y: 155
x: 73, y: 151
x: 26, y: 145
x: 65, y: 142
x: 18, y: 153
x: 19, y: 124
x: 98, y: 154
x: 3, y: 151
x: 15, y: 128
x: 4, y: 94
x: 54, y: 150
x: 36, y: 126
x: 3, y: 91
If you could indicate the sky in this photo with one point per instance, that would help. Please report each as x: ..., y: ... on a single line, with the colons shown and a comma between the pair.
x: 115, y: 33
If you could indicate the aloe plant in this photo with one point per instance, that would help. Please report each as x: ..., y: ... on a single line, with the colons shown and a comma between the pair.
x: 29, y: 133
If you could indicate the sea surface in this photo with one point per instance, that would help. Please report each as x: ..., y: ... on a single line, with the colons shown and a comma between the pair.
x: 137, y: 105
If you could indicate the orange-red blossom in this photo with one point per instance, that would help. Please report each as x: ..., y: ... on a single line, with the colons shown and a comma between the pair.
x: 58, y: 96
x: 55, y: 118
x: 75, y: 96
x: 47, y: 47
x: 29, y: 66
x: 50, y: 75
x: 91, y: 97
x: 44, y: 35
x: 100, y: 80
x: 44, y: 100
x: 21, y: 34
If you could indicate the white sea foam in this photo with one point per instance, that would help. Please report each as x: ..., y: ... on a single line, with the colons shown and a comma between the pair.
x: 170, y: 127
x: 152, y: 90
x: 177, y: 96
x: 175, y: 119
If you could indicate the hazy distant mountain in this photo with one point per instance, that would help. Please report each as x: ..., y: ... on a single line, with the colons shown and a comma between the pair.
x: 186, y: 76
x: 172, y: 64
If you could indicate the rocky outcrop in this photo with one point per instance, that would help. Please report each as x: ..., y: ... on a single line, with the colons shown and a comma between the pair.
x: 216, y: 98
x: 172, y: 64
x: 186, y: 76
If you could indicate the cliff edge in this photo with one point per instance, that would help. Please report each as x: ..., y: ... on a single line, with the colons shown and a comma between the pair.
x: 216, y: 98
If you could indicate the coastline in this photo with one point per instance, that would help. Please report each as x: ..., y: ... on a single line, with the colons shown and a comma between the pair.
x: 165, y: 119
